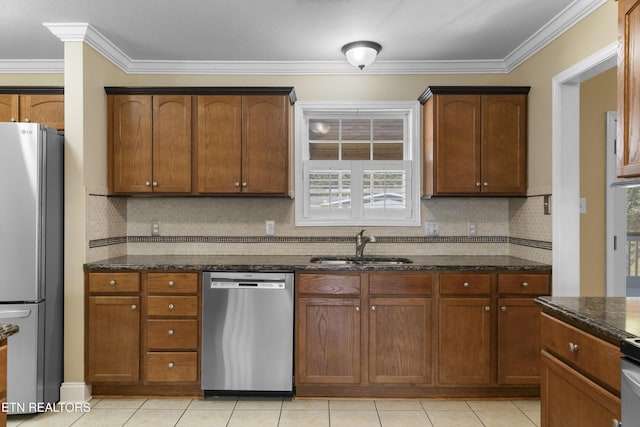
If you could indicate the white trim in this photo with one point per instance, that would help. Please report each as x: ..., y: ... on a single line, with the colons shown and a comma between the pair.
x: 75, y: 392
x: 566, y: 170
x: 84, y: 32
x: 616, y: 217
x: 40, y: 66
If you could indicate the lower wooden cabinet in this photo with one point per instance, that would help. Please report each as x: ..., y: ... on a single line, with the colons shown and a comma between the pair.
x: 142, y: 334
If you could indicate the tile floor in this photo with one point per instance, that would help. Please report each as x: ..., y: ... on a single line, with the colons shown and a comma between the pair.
x: 278, y: 412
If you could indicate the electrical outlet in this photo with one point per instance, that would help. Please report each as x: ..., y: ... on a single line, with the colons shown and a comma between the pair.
x: 155, y: 228
x: 269, y: 227
x: 472, y: 229
x: 431, y: 228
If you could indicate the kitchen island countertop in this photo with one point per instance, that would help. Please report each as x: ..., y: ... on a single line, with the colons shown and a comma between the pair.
x: 6, y: 330
x: 612, y: 319
x: 302, y: 262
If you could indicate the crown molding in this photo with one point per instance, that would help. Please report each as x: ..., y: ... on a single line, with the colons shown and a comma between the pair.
x: 84, y: 32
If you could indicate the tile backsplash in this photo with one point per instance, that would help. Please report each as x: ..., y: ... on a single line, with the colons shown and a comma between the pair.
x: 225, y: 225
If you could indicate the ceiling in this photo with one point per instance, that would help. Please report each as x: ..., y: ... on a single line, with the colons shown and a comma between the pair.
x: 287, y: 36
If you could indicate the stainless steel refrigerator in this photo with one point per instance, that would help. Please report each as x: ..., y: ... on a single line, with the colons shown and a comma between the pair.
x: 31, y: 262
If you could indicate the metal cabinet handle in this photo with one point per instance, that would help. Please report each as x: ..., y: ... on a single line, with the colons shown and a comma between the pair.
x: 244, y: 184
x: 236, y: 184
x: 155, y: 183
x: 147, y: 183
x: 171, y: 306
x: 170, y: 332
x: 477, y: 184
x: 358, y: 308
x: 112, y: 282
x: 503, y: 308
x: 373, y: 308
x: 486, y: 184
x: 573, y: 347
x: 466, y: 284
x: 134, y: 307
x: 170, y: 365
x: 487, y: 308
x: 27, y: 120
x: 525, y: 284
x: 171, y: 283
x: 13, y: 119
x: 615, y: 423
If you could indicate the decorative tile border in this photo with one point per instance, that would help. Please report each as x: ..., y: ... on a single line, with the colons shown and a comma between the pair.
x: 317, y: 239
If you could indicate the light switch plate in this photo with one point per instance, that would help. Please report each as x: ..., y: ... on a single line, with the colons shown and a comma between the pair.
x: 431, y: 228
x: 269, y: 227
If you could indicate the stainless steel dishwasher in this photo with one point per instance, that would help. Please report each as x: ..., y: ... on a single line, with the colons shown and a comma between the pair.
x: 247, y: 333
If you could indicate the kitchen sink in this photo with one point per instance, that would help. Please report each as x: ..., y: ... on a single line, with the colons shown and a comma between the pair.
x: 351, y: 260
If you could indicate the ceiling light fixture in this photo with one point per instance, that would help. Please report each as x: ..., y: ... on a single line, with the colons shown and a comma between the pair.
x: 361, y: 54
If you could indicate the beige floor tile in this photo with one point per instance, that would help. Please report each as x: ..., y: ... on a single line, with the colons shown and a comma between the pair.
x: 251, y: 403
x: 204, y: 418
x: 16, y: 420
x: 155, y: 418
x: 534, y: 416
x: 304, y: 417
x: 352, y: 405
x: 492, y: 405
x: 305, y: 404
x: 527, y: 405
x: 398, y: 405
x: 506, y: 418
x: 110, y: 417
x: 51, y: 419
x: 118, y: 404
x: 404, y: 419
x: 166, y: 404
x: 254, y: 418
x: 354, y: 418
x: 214, y: 403
x: 454, y: 419
x: 445, y: 405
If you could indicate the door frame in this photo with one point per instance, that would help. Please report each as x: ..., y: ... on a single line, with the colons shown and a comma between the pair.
x: 565, y: 141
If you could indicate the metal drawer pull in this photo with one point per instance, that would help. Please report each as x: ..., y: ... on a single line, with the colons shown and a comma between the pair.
x: 503, y: 308
x: 170, y: 332
x: 358, y: 308
x: 170, y: 365
x: 466, y: 284
x: 487, y: 308
x: 573, y: 347
x: 134, y: 307
x: 525, y: 284
x: 373, y: 308
x: 171, y: 283
x: 171, y: 306
x: 112, y: 282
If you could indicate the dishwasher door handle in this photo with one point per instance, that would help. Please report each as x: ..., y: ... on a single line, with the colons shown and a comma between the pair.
x: 232, y: 284
x: 632, y: 379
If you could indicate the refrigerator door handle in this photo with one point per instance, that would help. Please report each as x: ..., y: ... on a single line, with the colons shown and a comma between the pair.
x: 14, y: 314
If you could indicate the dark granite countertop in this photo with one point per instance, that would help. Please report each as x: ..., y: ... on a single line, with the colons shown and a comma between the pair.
x: 613, y: 319
x: 302, y: 262
x: 6, y: 330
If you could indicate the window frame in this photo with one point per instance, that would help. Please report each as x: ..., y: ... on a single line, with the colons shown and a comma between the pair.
x: 412, y: 155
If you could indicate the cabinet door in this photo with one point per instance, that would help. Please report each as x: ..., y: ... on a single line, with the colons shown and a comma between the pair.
x: 132, y: 138
x: 457, y: 144
x: 219, y: 144
x: 45, y: 109
x: 464, y: 341
x: 400, y: 340
x: 504, y: 148
x: 172, y: 144
x: 265, y: 144
x: 328, y: 341
x: 628, y: 140
x: 9, y: 108
x: 113, y: 335
x: 518, y: 341
x: 571, y: 400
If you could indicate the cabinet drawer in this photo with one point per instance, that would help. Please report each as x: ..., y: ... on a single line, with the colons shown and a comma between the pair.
x: 591, y: 355
x: 172, y: 306
x: 172, y: 283
x: 114, y: 282
x: 335, y: 284
x: 174, y: 334
x: 465, y: 284
x: 172, y: 367
x: 524, y: 284
x: 406, y: 284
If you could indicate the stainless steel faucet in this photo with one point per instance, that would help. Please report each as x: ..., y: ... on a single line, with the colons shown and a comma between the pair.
x: 361, y: 242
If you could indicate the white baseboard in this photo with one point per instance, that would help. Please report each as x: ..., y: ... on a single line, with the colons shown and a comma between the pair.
x: 75, y: 392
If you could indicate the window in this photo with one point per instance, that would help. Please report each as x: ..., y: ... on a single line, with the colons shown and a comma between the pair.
x: 357, y: 163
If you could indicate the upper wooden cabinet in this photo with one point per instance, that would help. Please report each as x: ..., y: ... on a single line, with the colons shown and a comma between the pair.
x: 199, y: 140
x: 45, y: 108
x: 150, y: 144
x: 475, y: 141
x: 243, y: 144
x: 628, y: 139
